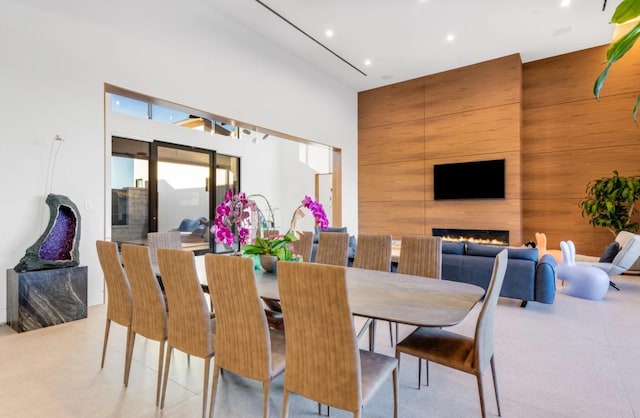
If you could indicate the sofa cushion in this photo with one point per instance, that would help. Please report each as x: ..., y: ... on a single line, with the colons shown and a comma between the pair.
x: 610, y: 252
x: 453, y: 247
x: 530, y: 254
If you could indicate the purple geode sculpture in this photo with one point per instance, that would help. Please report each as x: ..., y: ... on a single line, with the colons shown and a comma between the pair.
x: 58, y: 245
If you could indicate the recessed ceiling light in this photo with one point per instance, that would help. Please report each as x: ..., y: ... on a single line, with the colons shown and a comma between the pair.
x: 328, y: 33
x: 450, y: 37
x: 367, y: 62
x: 565, y: 3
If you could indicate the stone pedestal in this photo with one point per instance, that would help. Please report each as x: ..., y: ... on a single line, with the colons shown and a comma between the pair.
x: 38, y: 299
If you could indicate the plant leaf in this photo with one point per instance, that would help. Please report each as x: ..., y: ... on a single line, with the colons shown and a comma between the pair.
x: 627, y: 10
x: 635, y: 109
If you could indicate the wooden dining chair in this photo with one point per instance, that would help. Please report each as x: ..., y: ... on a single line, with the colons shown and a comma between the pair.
x: 149, y: 306
x: 322, y: 356
x: 470, y: 355
x: 373, y: 253
x: 119, y: 297
x: 333, y: 248
x: 191, y: 329
x: 303, y: 246
x: 168, y: 239
x: 244, y: 344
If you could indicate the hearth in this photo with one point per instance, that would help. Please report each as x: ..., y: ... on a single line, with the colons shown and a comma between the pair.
x: 481, y: 236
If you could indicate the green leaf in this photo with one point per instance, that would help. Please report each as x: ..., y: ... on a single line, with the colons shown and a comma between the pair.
x: 627, y: 10
x: 620, y: 47
x: 597, y: 86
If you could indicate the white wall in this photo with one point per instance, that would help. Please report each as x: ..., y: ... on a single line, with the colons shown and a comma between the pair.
x: 56, y: 57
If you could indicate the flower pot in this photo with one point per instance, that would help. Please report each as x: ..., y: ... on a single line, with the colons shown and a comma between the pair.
x: 268, y: 262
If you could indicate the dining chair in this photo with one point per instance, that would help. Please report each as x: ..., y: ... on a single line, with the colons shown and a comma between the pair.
x: 191, y: 329
x: 119, y: 297
x: 167, y: 239
x: 470, y: 355
x: 420, y: 255
x: 149, y: 305
x: 333, y: 248
x: 303, y: 246
x: 244, y: 344
x: 373, y: 253
x: 322, y: 356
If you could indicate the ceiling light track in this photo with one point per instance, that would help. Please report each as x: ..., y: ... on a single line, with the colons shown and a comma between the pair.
x: 310, y: 37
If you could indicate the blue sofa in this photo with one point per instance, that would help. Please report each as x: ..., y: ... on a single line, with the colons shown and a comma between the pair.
x: 527, y: 278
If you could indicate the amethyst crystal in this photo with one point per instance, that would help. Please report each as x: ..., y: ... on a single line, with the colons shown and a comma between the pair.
x: 57, y: 247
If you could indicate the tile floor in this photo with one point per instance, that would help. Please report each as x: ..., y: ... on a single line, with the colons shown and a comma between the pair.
x: 575, y: 358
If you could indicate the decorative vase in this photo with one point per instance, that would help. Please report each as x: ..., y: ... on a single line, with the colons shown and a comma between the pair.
x: 268, y: 262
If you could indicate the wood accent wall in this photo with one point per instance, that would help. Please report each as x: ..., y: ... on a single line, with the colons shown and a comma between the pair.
x: 570, y: 139
x: 541, y: 117
x: 467, y: 114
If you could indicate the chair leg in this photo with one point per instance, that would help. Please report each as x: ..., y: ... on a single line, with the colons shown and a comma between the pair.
x: 160, y: 359
x: 395, y: 391
x: 106, y: 339
x: 205, y: 385
x: 481, y: 393
x: 285, y: 404
x: 266, y: 387
x: 214, y: 389
x: 372, y: 336
x: 495, y: 384
x: 426, y: 370
x: 131, y: 338
x: 166, y: 375
x: 419, y: 373
x: 391, y: 335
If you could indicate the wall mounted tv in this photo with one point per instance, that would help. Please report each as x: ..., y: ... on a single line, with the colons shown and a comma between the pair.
x: 469, y: 180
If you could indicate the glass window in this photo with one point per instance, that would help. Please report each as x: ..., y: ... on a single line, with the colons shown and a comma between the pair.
x: 129, y: 106
x: 166, y: 115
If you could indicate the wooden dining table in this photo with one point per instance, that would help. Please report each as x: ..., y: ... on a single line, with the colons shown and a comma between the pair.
x: 391, y: 296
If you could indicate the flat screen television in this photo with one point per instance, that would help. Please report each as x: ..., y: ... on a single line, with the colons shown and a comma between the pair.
x: 469, y: 180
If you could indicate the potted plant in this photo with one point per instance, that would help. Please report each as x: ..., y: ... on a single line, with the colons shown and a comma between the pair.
x: 610, y: 203
x: 627, y: 11
x: 274, y: 248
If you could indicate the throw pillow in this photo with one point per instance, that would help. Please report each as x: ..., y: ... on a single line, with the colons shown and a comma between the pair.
x: 610, y: 252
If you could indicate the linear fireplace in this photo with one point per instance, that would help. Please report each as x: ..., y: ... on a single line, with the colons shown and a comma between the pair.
x: 482, y: 236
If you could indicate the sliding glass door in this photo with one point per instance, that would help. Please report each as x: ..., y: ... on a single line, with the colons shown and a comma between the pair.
x: 183, y: 195
x: 163, y: 187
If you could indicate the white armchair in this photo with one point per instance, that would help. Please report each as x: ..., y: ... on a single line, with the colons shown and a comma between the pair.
x: 627, y: 255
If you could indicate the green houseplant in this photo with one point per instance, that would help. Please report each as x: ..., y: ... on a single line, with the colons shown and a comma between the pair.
x: 626, y: 11
x: 610, y: 203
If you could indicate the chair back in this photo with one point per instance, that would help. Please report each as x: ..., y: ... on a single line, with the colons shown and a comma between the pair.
x: 373, y: 252
x: 155, y: 240
x: 322, y: 356
x: 421, y: 256
x: 242, y: 343
x: 190, y: 324
x: 119, y: 297
x: 484, y: 328
x: 149, y: 306
x: 628, y: 254
x: 333, y: 248
x: 303, y: 246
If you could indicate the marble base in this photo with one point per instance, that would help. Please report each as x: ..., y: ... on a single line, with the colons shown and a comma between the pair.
x: 38, y: 299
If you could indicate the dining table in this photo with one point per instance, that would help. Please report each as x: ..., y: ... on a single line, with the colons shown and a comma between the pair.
x: 394, y: 297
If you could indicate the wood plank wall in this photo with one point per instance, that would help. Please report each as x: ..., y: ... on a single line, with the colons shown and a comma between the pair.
x: 467, y: 114
x: 541, y: 117
x: 570, y: 139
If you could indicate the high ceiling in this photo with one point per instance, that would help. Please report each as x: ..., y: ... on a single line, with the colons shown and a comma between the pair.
x: 405, y: 39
